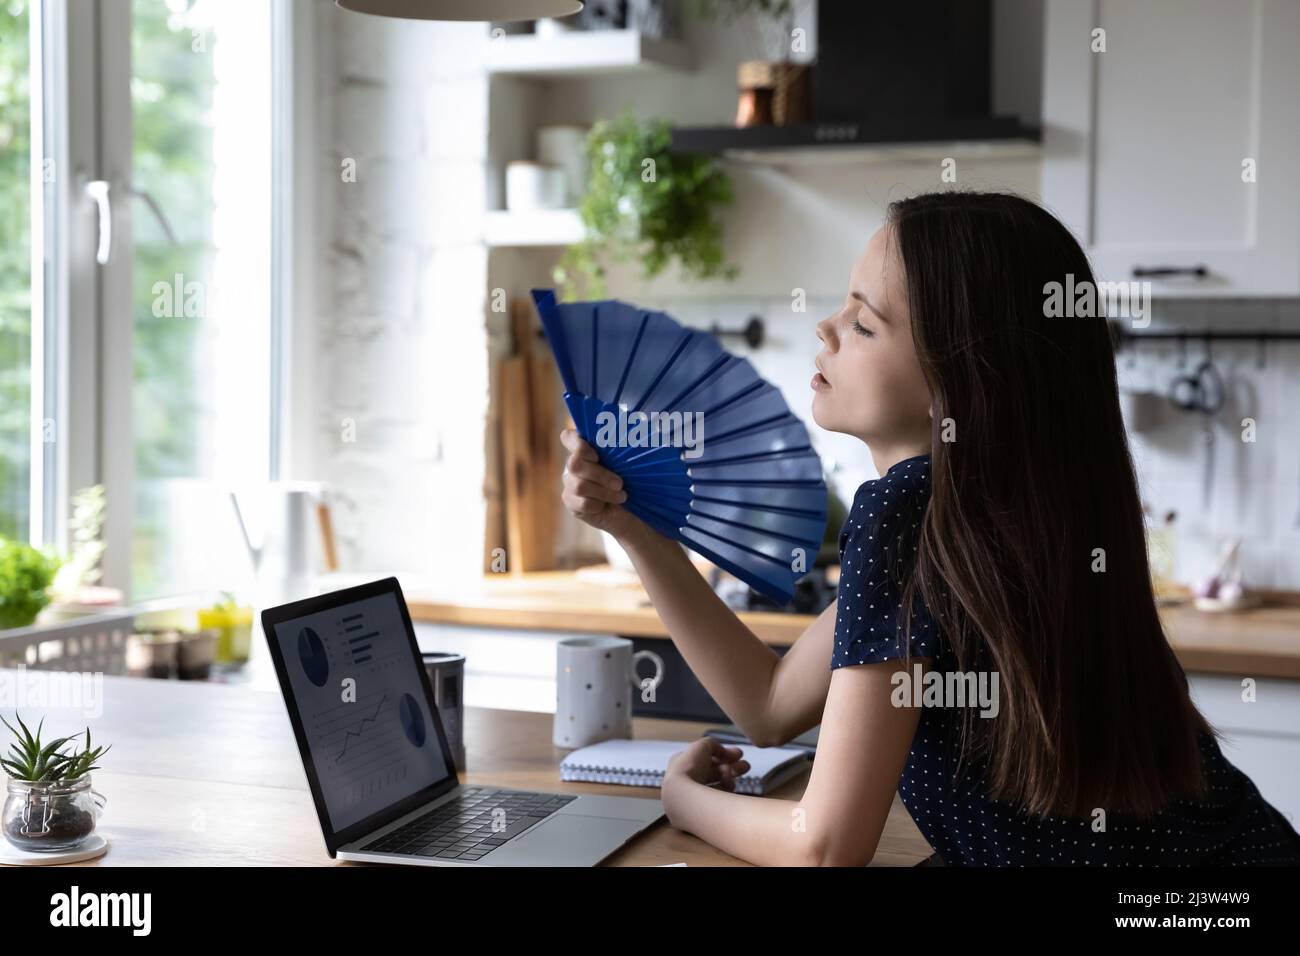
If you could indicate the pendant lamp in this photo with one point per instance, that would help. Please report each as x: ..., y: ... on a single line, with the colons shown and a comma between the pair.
x: 486, y: 10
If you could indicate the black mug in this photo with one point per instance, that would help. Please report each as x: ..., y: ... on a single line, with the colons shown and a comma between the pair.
x: 446, y: 672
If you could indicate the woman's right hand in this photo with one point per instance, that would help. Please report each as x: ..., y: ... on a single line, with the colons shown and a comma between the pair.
x: 592, y: 492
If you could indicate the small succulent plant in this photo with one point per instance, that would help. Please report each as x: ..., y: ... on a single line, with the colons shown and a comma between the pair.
x: 29, y: 760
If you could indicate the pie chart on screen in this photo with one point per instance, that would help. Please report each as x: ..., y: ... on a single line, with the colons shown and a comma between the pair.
x: 412, y: 720
x: 311, y: 653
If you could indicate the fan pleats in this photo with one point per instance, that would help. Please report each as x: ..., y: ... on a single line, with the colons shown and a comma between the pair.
x: 745, y: 488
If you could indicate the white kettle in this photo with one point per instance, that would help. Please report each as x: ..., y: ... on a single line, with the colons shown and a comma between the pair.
x: 283, y: 557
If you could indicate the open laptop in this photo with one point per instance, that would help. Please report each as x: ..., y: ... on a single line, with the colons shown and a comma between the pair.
x: 377, y: 758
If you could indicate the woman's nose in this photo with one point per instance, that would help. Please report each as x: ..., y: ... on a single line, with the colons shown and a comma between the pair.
x: 826, y: 331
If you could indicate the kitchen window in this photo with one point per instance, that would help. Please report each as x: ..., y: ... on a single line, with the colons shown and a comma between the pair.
x: 140, y: 317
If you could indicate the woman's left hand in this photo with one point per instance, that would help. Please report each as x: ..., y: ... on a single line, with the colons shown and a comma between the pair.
x: 707, y: 761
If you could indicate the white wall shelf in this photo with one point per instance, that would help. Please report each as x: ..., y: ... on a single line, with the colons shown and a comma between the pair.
x: 540, y: 227
x: 584, y: 53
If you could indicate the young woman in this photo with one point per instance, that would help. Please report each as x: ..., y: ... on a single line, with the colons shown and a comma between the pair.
x: 1007, y: 523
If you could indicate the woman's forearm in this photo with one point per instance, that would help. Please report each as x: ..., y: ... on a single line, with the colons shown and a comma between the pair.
x: 761, y: 830
x: 734, y: 666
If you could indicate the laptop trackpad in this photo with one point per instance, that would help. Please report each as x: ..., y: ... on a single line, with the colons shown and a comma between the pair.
x: 565, y: 840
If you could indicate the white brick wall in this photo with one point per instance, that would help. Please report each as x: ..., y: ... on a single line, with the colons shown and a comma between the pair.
x: 401, y: 341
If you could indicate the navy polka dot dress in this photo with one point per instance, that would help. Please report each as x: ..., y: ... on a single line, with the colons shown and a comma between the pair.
x: 1231, y: 825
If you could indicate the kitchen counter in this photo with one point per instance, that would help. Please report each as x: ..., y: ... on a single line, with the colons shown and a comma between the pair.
x: 598, y: 599
x: 1263, y: 642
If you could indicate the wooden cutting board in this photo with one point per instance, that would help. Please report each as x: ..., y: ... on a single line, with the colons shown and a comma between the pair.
x: 531, y: 453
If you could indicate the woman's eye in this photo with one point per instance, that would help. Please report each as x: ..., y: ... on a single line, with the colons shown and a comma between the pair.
x: 860, y: 328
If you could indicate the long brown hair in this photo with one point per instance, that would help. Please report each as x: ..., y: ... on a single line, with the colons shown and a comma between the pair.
x: 1035, y: 476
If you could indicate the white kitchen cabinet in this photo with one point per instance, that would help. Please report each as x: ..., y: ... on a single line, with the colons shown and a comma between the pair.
x: 1144, y: 143
x: 1262, y: 737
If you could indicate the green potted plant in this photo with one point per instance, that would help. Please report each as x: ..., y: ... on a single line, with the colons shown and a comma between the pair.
x: 25, y: 575
x: 76, y: 589
x: 644, y: 201
x: 778, y: 9
x: 49, y: 804
x: 774, y: 18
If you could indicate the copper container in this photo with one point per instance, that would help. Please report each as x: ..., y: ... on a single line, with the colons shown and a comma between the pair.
x: 773, y: 93
x: 756, y: 84
x: 792, y: 96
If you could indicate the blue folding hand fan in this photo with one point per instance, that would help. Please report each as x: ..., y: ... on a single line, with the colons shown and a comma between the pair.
x: 737, y: 480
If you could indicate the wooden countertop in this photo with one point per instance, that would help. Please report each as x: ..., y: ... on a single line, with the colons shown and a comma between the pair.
x: 599, y: 599
x: 208, y: 775
x: 1263, y: 642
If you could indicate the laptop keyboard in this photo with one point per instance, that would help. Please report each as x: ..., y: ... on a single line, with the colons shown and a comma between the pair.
x: 463, y: 829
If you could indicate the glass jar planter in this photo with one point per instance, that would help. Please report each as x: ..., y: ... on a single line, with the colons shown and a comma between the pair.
x: 50, y: 816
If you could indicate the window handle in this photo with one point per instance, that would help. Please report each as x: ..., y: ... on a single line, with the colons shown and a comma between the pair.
x: 97, y: 189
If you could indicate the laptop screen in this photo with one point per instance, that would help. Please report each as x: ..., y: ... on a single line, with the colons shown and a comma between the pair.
x: 356, y: 687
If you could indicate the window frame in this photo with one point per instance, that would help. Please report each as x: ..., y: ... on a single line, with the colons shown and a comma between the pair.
x: 64, y: 365
x: 83, y: 337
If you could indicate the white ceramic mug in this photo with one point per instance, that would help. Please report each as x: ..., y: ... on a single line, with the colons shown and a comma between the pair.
x: 594, y: 677
x: 532, y: 186
x: 565, y: 147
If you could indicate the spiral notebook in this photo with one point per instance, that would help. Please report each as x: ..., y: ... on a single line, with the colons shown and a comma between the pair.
x: 642, y: 763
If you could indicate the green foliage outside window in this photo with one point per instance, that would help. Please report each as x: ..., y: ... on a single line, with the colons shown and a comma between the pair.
x: 171, y: 99
x: 15, y: 272
x: 171, y: 102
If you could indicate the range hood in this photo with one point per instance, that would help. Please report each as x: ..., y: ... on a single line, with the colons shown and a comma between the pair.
x: 903, y: 76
